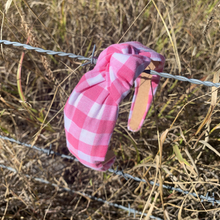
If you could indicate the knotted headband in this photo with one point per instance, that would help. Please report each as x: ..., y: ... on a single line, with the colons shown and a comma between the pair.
x: 91, y: 112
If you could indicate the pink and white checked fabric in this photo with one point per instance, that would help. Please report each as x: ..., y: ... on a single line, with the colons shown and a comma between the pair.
x: 91, y: 111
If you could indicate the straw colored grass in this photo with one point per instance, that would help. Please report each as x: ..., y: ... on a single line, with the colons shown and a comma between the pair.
x: 178, y: 144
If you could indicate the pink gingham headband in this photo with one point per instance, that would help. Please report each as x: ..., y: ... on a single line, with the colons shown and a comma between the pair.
x: 91, y: 112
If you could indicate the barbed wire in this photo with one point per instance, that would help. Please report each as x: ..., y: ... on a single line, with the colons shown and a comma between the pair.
x: 118, y: 172
x: 182, y: 78
x: 93, y: 60
x: 128, y: 209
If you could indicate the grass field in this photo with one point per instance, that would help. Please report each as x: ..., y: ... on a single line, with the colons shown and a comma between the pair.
x: 179, y: 143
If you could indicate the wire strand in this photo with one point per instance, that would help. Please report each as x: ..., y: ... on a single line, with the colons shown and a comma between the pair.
x: 182, y: 78
x: 128, y: 209
x: 117, y: 172
x: 93, y: 60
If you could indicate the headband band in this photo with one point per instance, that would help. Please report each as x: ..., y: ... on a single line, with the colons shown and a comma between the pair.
x: 91, y: 112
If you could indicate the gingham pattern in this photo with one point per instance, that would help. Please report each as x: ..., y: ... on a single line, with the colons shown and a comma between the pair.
x: 91, y: 111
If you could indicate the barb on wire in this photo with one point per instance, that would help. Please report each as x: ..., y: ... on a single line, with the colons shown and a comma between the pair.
x: 93, y: 60
x: 117, y: 172
x: 50, y: 52
x: 128, y: 209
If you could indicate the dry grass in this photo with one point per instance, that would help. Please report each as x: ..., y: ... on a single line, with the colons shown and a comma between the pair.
x: 183, y: 124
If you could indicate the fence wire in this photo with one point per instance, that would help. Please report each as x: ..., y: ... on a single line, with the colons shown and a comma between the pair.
x: 93, y: 60
x: 119, y: 172
x: 128, y: 209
